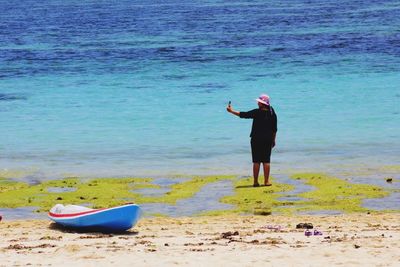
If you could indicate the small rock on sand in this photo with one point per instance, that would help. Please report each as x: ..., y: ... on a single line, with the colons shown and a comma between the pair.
x: 304, y: 226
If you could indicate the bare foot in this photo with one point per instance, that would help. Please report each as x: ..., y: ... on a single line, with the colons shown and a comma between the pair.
x: 256, y: 185
x: 267, y: 184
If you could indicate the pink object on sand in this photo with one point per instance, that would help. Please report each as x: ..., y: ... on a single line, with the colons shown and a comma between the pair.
x: 308, y: 233
x: 316, y: 232
x: 274, y: 227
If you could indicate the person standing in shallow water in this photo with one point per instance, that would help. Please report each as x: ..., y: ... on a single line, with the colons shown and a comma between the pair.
x: 263, y: 135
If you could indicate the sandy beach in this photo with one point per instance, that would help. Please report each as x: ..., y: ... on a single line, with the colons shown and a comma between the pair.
x: 346, y: 240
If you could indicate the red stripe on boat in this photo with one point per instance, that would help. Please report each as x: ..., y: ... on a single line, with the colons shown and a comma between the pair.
x: 73, y: 214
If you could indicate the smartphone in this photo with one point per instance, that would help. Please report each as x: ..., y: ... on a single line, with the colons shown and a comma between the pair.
x: 229, y: 103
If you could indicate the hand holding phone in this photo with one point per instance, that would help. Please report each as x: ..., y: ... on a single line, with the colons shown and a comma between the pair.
x: 229, y: 109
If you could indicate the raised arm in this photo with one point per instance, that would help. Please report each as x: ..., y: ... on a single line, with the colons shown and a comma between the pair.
x: 244, y: 115
x: 231, y: 110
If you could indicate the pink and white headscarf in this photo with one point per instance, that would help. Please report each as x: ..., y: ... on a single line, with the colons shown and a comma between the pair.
x: 263, y: 99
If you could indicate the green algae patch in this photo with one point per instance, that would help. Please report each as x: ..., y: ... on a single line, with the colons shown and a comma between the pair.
x: 253, y: 200
x: 96, y: 193
x: 101, y: 192
x: 334, y: 194
x: 9, y: 185
x: 330, y: 194
x: 186, y: 189
x: 394, y: 168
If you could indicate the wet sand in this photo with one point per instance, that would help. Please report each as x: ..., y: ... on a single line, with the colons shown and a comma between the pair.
x: 347, y: 240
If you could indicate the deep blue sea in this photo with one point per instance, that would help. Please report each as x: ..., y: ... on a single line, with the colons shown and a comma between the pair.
x: 140, y: 87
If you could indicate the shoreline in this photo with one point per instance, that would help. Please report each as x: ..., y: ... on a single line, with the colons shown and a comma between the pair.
x: 357, y: 239
x: 344, y: 169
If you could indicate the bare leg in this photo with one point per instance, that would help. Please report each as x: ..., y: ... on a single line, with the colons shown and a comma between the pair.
x: 256, y: 170
x: 266, y: 168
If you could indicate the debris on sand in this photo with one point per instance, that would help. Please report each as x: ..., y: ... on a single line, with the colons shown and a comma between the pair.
x: 304, y: 226
x: 229, y: 234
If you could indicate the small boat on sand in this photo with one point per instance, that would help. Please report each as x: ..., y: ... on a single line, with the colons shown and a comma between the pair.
x: 115, y: 219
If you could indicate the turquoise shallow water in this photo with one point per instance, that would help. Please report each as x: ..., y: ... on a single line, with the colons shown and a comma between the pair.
x: 140, y: 88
